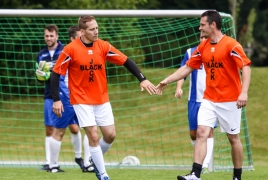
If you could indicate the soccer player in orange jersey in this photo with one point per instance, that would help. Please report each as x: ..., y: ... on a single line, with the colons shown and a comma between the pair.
x: 85, y: 59
x: 225, y: 95
x: 68, y: 118
x: 197, y: 85
x: 46, y: 59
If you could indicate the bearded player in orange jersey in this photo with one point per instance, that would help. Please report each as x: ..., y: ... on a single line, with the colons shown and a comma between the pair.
x: 85, y: 60
x: 224, y: 95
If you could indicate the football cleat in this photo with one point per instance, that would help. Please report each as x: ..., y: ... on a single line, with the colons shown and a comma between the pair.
x: 105, y: 178
x: 80, y: 162
x: 44, y: 167
x: 205, y: 171
x: 55, y: 170
x: 188, y: 177
x: 89, y: 169
x: 235, y: 178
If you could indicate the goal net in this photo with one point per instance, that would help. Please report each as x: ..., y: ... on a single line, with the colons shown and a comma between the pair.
x: 152, y: 128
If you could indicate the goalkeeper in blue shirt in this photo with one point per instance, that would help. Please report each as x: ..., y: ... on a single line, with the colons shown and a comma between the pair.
x: 46, y: 59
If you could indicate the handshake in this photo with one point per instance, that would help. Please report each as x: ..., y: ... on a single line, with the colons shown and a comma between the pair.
x: 43, y: 70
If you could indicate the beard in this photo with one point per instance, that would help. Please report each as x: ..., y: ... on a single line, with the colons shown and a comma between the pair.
x: 52, y: 44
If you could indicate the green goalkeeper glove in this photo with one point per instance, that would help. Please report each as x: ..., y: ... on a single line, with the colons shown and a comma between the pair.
x: 41, y: 75
x: 44, y: 66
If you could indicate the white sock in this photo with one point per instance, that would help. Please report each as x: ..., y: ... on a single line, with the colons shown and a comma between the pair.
x: 210, y: 145
x: 47, y: 149
x: 104, y: 146
x: 77, y: 143
x: 55, y: 150
x: 97, y: 157
x: 193, y: 142
x: 86, y: 151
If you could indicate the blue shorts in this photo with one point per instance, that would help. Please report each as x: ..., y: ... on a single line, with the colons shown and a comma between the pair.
x: 193, y: 108
x: 49, y: 115
x: 68, y: 117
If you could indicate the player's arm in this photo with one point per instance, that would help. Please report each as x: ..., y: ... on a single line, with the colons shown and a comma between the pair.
x: 176, y: 76
x: 243, y: 97
x: 58, y: 70
x: 54, y: 83
x: 144, y: 83
x: 195, y: 61
x: 243, y: 63
x: 179, y: 91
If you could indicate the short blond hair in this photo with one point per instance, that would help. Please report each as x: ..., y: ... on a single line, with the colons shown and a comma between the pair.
x: 82, y: 20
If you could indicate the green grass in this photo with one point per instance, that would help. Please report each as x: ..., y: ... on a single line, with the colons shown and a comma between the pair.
x: 260, y: 173
x: 257, y: 114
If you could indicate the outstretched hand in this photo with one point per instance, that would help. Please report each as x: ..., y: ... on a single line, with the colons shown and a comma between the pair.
x: 150, y: 88
x: 58, y: 108
x: 161, y: 86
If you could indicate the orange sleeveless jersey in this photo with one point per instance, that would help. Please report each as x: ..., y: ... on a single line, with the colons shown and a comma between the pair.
x: 222, y: 62
x: 86, y: 70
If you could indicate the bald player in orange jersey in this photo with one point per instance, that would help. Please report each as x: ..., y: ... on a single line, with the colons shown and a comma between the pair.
x: 85, y: 59
x: 223, y: 58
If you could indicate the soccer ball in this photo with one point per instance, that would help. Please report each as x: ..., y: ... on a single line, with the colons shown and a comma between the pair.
x: 131, y: 160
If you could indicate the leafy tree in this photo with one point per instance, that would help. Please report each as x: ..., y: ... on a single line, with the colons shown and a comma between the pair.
x: 246, y: 33
x: 260, y: 34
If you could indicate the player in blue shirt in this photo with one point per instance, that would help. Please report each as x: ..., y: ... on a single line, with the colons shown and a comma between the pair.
x: 46, y: 59
x: 197, y: 85
x: 68, y: 117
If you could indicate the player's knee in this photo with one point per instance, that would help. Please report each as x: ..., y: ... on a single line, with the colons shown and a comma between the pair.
x: 202, y: 132
x: 74, y: 129
x: 193, y: 135
x: 211, y: 133
x: 233, y: 138
x: 93, y: 137
x: 58, y: 134
x: 49, y: 130
x: 109, y: 137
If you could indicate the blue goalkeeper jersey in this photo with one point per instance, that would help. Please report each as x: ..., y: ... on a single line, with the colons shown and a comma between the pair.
x: 64, y: 90
x: 197, y: 83
x: 44, y: 55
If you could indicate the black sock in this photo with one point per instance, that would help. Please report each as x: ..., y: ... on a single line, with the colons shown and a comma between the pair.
x: 197, y: 168
x: 237, y: 173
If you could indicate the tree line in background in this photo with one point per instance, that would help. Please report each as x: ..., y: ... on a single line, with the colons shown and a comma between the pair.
x: 250, y: 16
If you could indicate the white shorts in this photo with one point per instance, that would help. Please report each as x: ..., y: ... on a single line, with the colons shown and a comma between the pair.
x: 94, y: 115
x: 226, y: 113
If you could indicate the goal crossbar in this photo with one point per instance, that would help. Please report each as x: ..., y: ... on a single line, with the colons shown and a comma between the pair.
x: 101, y: 13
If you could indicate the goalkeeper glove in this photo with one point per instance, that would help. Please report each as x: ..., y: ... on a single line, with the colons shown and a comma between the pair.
x: 41, y: 75
x: 44, y: 66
